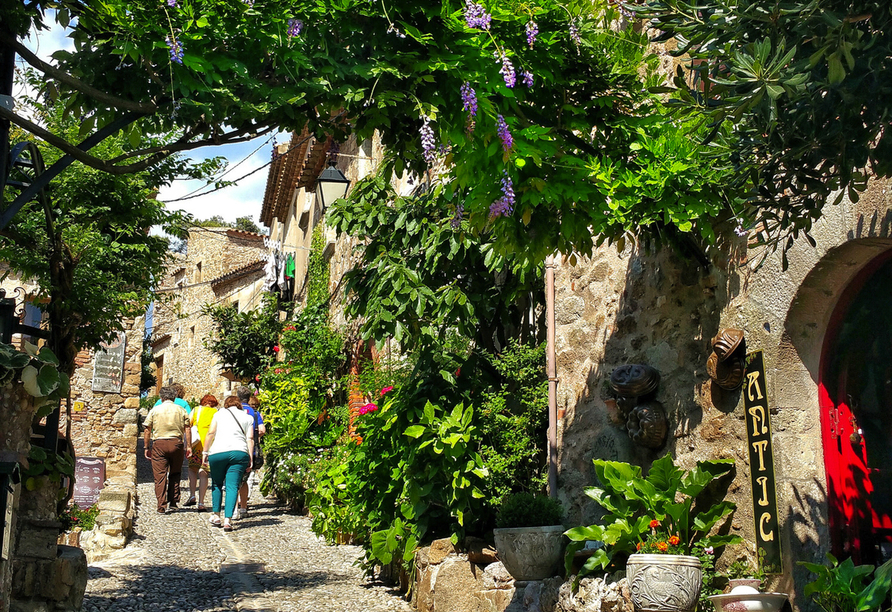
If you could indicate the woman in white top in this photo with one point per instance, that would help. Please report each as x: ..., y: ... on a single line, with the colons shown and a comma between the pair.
x: 228, y: 449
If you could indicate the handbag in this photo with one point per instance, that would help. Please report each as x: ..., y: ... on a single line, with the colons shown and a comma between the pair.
x: 196, y: 439
x: 257, y: 459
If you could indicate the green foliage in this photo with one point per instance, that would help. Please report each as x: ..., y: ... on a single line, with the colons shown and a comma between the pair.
x: 43, y: 464
x: 89, y: 250
x: 72, y: 516
x: 39, y: 372
x: 673, y: 500
x: 300, y: 404
x: 416, y: 473
x: 840, y: 587
x: 420, y: 279
x: 513, y: 418
x: 529, y: 510
x: 244, y: 341
x: 796, y: 94
x: 146, y: 366
x: 244, y: 224
x: 148, y: 402
x: 317, y: 269
x: 333, y: 517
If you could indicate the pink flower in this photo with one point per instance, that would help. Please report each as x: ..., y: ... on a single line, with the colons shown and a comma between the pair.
x: 708, y: 550
x: 385, y: 390
x: 370, y: 407
x: 257, y: 378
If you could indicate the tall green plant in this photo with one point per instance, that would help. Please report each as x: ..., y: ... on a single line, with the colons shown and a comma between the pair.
x: 674, y: 497
x: 245, y: 342
x: 318, y: 275
x: 840, y: 587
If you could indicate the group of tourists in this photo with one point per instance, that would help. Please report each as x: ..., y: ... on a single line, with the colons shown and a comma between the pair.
x: 222, y: 443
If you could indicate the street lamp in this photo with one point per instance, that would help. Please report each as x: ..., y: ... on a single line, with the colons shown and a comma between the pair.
x: 331, y: 185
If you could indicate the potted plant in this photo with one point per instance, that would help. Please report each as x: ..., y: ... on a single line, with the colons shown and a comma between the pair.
x: 663, y: 522
x: 529, y: 537
x: 839, y: 587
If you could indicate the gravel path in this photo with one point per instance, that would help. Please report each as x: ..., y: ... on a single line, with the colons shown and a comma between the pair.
x: 270, y: 562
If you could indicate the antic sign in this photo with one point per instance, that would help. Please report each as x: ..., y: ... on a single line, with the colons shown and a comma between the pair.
x: 108, y: 366
x: 758, y: 429
x: 89, y: 479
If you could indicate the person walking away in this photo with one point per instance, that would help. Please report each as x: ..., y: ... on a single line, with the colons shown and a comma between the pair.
x: 165, y: 427
x: 179, y: 401
x: 246, y: 397
x: 200, y: 419
x: 228, y: 448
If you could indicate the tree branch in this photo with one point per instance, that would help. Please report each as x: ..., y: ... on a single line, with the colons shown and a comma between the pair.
x: 140, y: 107
x: 183, y: 144
x: 75, y: 152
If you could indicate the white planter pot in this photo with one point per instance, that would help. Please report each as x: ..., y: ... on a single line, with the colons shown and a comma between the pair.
x: 664, y: 583
x: 531, y: 553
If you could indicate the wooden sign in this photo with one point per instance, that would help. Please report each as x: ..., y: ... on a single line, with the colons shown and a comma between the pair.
x: 89, y: 479
x: 108, y: 366
x: 758, y: 431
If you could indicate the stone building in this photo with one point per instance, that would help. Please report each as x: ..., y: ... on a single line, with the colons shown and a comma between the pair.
x: 822, y: 328
x: 221, y: 266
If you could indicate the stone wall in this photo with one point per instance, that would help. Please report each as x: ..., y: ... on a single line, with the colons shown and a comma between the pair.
x: 661, y: 309
x: 221, y: 266
x: 448, y: 580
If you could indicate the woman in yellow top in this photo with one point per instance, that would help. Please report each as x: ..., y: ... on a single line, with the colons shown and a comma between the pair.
x: 200, y: 419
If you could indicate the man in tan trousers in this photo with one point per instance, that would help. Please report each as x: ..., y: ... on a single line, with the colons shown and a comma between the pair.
x: 165, y: 427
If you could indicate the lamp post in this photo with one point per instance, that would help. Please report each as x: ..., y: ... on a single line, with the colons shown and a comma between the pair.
x: 331, y: 185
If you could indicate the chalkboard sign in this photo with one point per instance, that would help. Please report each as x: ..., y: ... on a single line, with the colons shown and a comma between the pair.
x: 89, y: 478
x: 108, y: 366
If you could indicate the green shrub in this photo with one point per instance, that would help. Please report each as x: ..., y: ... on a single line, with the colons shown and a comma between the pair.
x: 73, y: 517
x: 529, y: 510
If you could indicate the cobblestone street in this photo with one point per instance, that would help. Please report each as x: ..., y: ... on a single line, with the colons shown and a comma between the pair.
x: 271, y: 562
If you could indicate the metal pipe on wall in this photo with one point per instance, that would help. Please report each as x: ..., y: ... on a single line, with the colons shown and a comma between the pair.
x: 551, y: 369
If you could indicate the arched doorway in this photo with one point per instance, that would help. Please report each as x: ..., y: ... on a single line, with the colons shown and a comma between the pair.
x: 855, y: 395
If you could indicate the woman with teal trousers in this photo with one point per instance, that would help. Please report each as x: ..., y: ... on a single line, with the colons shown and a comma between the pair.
x: 228, y: 449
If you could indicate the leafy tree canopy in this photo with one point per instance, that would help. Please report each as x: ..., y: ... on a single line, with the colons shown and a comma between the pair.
x: 88, y: 249
x: 797, y: 91
x: 245, y: 224
x: 245, y: 342
x: 540, y: 111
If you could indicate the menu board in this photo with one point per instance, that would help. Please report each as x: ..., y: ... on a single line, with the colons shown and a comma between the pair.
x: 89, y: 478
x: 108, y: 366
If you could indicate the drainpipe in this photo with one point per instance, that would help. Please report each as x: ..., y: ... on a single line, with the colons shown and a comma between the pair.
x: 551, y: 372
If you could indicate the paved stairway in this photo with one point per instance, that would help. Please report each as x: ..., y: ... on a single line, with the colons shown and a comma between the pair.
x: 270, y: 562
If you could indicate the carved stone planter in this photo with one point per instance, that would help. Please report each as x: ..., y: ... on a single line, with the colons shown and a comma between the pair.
x: 664, y: 583
x: 531, y: 553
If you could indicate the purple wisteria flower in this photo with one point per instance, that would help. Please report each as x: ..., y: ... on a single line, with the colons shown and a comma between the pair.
x: 504, y: 206
x: 249, y: 3
x: 505, y: 134
x: 428, y: 143
x: 476, y: 16
x: 574, y: 32
x: 172, y: 3
x: 456, y: 218
x: 176, y: 49
x: 527, y: 77
x: 295, y: 26
x: 532, y: 31
x: 468, y: 99
x: 507, y: 71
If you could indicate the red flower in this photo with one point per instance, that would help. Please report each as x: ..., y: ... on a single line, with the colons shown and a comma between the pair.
x: 385, y: 390
x: 654, y: 524
x: 276, y: 348
x: 674, y: 540
x: 638, y: 547
x: 257, y: 378
x: 458, y: 372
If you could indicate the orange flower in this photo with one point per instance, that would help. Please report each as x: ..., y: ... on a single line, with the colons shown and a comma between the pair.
x: 638, y: 547
x: 662, y: 546
x: 674, y: 540
x: 654, y: 524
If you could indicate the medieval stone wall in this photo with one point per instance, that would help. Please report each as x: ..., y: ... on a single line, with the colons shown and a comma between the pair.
x: 221, y: 266
x: 661, y: 309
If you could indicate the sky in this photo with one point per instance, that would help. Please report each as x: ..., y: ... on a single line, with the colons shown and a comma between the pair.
x: 240, y: 200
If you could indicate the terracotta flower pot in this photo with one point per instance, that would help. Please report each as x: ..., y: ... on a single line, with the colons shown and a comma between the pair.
x: 664, y: 583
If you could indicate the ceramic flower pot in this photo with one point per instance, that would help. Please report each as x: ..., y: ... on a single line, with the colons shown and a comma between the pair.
x: 531, y: 553
x: 746, y: 597
x: 664, y: 583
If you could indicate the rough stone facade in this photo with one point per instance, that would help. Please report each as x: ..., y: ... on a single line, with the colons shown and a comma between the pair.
x: 662, y: 310
x: 222, y: 266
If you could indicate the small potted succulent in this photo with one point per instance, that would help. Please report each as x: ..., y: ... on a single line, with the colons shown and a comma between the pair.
x: 529, y: 537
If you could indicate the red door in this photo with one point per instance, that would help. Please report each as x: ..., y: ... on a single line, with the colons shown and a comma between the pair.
x: 856, y: 412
